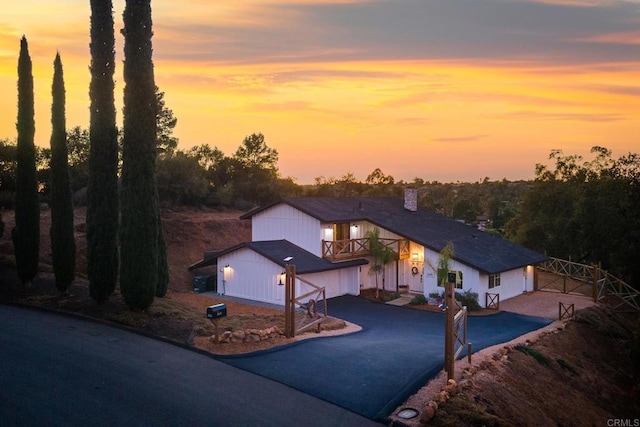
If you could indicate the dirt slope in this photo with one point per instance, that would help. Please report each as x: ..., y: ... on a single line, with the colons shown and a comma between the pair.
x: 188, y: 233
x: 577, y: 373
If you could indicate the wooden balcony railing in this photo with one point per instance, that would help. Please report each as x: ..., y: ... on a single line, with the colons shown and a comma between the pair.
x: 340, y: 250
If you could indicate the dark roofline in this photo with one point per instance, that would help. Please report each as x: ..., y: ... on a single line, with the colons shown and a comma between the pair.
x: 459, y: 236
x: 255, y: 246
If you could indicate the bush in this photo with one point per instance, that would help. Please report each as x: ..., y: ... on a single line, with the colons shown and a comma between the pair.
x: 469, y: 299
x: 436, y: 295
x: 540, y: 358
x: 418, y: 300
x: 391, y: 297
x: 565, y: 365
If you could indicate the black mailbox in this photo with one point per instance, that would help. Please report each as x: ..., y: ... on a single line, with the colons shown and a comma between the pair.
x: 216, y: 311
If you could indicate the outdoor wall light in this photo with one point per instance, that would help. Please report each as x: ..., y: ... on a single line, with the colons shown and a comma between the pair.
x: 281, y: 278
x: 414, y: 256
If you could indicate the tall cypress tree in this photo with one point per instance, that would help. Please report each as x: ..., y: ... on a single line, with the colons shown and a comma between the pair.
x: 63, y: 244
x: 26, y: 234
x: 102, y: 191
x: 139, y: 210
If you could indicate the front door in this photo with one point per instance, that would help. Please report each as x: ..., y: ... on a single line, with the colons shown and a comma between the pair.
x: 416, y: 278
x: 341, y: 233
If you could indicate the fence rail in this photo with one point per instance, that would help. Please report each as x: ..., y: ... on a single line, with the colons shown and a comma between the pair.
x: 358, y: 248
x: 311, y: 308
x: 592, y: 280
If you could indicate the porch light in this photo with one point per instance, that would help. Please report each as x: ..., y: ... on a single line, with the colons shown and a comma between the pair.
x: 281, y: 278
x: 414, y: 256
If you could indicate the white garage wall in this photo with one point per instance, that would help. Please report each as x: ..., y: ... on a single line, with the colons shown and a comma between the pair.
x: 254, y: 277
x: 250, y: 276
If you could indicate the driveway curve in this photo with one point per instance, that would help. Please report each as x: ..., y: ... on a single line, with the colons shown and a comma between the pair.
x: 372, y: 371
x: 59, y: 370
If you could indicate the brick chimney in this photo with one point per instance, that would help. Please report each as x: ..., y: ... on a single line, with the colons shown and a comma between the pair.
x: 411, y: 199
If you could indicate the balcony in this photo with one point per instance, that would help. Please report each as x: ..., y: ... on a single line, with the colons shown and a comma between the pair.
x: 342, y: 250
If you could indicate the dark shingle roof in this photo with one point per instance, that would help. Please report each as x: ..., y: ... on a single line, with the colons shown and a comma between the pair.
x: 472, y: 247
x: 305, y: 262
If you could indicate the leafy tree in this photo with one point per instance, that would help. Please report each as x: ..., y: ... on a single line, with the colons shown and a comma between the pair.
x: 382, y: 255
x: 78, y: 148
x: 140, y: 213
x: 444, y: 260
x: 584, y: 211
x: 7, y: 173
x: 181, y: 179
x: 63, y: 244
x: 166, y: 123
x: 102, y: 190
x: 255, y: 170
x: 377, y: 177
x: 26, y: 234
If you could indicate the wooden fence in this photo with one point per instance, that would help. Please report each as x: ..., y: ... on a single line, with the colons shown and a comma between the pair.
x: 590, y: 280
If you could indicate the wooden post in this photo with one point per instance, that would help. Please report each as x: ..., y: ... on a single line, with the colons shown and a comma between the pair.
x: 535, y: 278
x: 290, y: 301
x: 449, y: 344
x: 469, y: 352
x: 215, y: 323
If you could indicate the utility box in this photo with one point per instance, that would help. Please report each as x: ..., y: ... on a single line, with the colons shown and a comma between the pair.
x: 216, y: 311
x: 204, y: 283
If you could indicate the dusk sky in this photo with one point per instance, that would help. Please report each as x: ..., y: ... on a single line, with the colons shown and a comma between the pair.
x: 447, y: 90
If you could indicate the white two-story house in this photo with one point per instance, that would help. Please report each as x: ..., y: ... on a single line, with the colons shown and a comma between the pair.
x: 325, y: 238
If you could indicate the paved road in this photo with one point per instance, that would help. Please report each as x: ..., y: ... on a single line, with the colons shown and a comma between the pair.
x: 57, y: 370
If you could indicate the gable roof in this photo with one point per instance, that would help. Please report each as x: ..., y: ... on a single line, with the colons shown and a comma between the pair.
x: 475, y: 248
x: 277, y: 250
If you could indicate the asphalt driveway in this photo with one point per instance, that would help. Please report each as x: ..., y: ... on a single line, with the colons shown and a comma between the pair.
x: 374, y: 370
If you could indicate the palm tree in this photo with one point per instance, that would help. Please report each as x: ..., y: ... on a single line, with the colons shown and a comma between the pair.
x: 382, y: 255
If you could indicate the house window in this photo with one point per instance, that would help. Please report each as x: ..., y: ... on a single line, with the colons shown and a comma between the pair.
x: 494, y: 280
x: 443, y: 277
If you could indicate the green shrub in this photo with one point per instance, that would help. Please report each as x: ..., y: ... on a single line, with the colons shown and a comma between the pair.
x: 469, y: 299
x: 565, y: 365
x: 418, y: 300
x: 540, y: 358
x: 391, y: 297
x: 436, y: 295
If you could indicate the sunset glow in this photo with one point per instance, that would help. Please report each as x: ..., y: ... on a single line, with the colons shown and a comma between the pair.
x: 448, y: 90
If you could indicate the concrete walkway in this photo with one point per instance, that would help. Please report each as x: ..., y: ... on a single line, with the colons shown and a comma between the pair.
x: 403, y: 300
x: 544, y: 303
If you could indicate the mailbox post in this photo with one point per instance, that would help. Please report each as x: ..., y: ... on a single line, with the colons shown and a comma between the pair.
x: 214, y: 313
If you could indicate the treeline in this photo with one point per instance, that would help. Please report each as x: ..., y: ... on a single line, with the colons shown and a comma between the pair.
x: 203, y: 175
x: 586, y: 211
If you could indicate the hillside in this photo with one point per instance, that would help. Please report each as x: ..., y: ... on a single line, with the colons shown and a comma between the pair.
x: 575, y: 374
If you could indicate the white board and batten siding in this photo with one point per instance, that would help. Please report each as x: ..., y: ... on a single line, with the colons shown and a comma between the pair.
x: 284, y: 222
x: 336, y: 282
x: 250, y: 276
x: 512, y: 283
